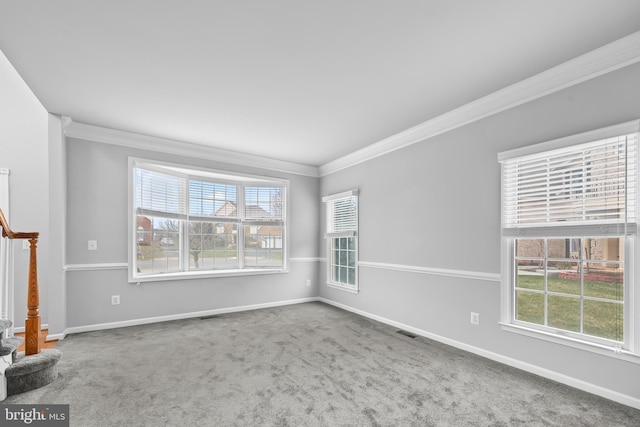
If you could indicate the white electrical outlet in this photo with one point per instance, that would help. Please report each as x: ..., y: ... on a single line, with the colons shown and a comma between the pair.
x: 475, y: 318
x: 92, y: 245
x: 115, y: 299
x: 308, y: 282
x: 25, y: 245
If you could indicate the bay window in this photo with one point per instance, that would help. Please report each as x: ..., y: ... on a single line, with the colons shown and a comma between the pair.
x: 189, y: 222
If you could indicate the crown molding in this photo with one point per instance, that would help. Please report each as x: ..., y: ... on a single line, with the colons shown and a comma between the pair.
x: 625, y: 128
x: 608, y: 58
x: 169, y: 146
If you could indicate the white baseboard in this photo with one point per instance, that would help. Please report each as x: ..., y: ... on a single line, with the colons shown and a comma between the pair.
x: 543, y: 372
x: 147, y: 320
x: 56, y: 337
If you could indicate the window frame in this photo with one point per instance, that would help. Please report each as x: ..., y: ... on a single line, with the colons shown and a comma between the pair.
x: 332, y: 237
x: 629, y: 348
x: 194, y: 173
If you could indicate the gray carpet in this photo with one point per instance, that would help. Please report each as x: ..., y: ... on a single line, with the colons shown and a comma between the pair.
x: 302, y: 365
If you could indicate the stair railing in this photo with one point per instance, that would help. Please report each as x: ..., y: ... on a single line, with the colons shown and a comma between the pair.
x: 6, y: 282
x: 32, y: 324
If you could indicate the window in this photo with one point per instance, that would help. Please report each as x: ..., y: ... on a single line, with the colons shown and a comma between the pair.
x: 341, y: 233
x: 190, y: 222
x: 569, y: 236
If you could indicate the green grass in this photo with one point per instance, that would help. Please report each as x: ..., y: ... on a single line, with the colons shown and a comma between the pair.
x: 530, y: 307
x: 217, y: 253
x: 144, y: 252
x: 601, y: 319
x: 612, y: 291
x: 157, y: 251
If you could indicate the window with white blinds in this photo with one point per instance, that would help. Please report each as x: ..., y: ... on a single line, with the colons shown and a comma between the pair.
x: 191, y: 222
x: 160, y: 194
x: 341, y: 232
x: 569, y: 238
x: 341, y: 214
x: 586, y: 184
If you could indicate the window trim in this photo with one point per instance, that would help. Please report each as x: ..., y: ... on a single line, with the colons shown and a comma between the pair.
x: 209, y: 175
x: 330, y: 237
x: 631, y: 261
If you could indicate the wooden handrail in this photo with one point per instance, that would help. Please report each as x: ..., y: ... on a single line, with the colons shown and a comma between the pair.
x: 6, y: 231
x: 32, y: 324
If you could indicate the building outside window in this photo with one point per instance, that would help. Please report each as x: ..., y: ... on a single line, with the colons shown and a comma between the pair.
x: 193, y: 222
x: 569, y: 239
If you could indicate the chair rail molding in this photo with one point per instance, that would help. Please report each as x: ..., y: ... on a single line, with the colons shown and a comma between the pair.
x: 463, y: 274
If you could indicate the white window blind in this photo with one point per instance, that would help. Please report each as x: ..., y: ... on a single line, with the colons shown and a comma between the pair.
x: 341, y: 214
x: 264, y: 205
x: 212, y: 200
x: 569, y: 239
x: 202, y: 222
x: 586, y: 185
x: 160, y: 194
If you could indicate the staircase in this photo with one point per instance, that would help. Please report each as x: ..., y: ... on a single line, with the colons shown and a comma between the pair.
x: 20, y: 372
x: 8, y: 349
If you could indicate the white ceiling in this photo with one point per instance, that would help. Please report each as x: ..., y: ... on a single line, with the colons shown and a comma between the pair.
x: 301, y: 81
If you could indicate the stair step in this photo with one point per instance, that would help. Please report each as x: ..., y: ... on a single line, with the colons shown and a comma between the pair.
x: 9, y: 345
x: 31, y: 372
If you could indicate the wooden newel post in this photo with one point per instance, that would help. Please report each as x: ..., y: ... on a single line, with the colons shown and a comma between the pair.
x: 32, y: 324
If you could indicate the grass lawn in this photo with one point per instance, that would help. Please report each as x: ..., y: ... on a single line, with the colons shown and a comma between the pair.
x: 216, y: 258
x: 157, y: 251
x: 601, y: 319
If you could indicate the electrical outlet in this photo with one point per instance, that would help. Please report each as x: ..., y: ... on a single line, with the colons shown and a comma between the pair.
x: 115, y: 299
x: 25, y: 245
x: 475, y: 318
x: 92, y: 245
x: 308, y: 282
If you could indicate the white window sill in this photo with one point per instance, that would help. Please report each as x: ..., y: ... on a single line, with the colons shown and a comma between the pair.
x: 573, y: 342
x: 204, y: 275
x: 352, y: 290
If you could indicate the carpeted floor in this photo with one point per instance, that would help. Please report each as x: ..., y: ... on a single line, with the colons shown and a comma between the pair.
x: 302, y: 365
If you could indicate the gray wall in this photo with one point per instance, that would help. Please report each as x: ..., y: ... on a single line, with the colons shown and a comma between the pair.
x: 436, y: 204
x: 24, y: 150
x: 408, y: 215
x: 97, y: 191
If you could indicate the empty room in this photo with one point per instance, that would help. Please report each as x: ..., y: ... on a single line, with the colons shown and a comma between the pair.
x: 320, y: 213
